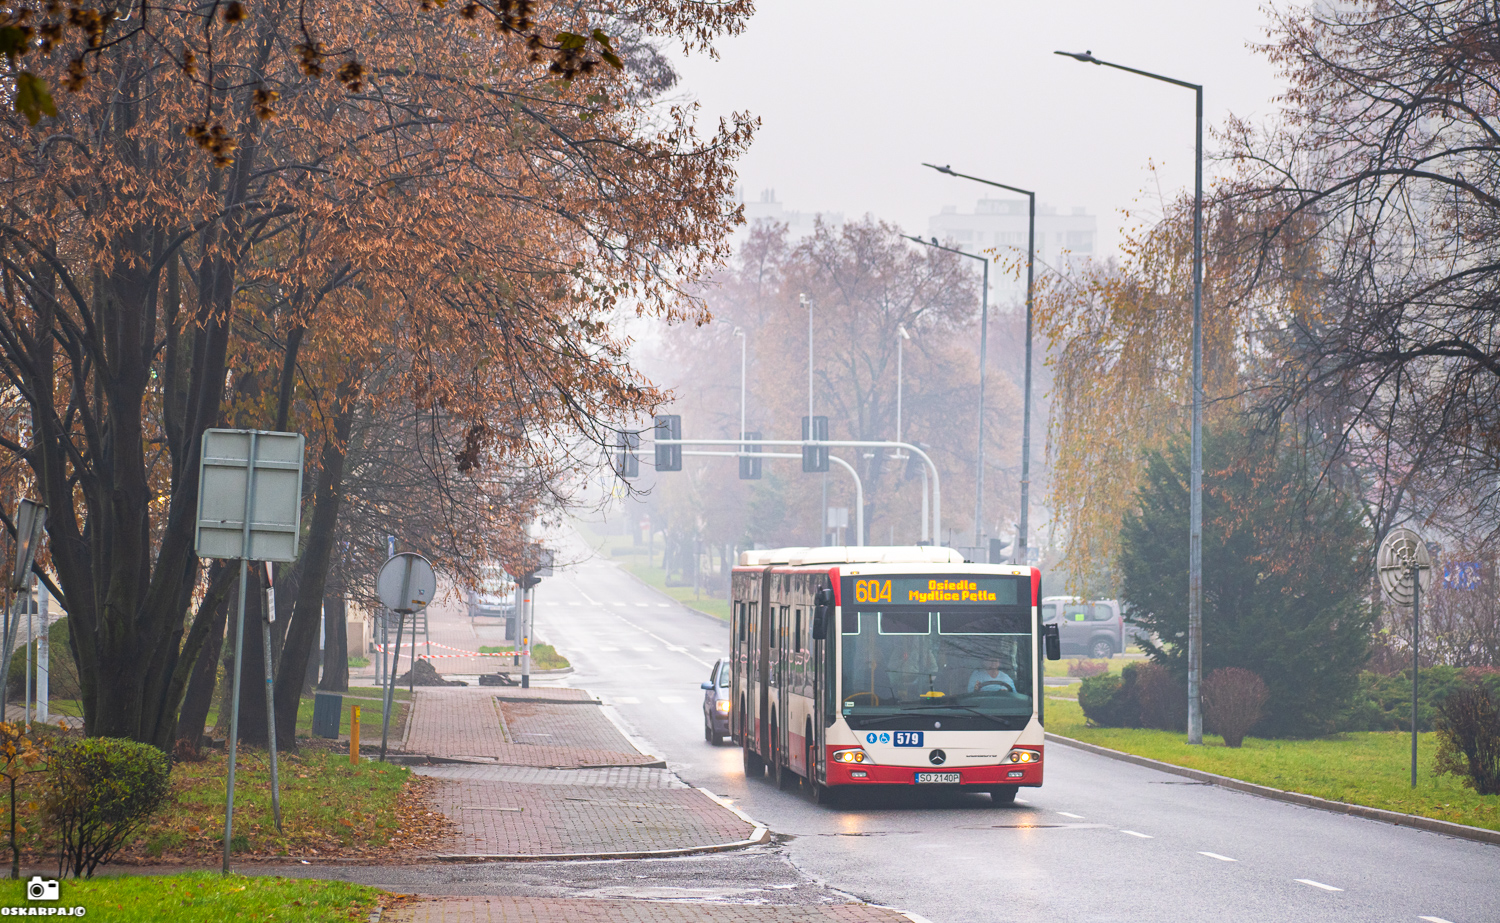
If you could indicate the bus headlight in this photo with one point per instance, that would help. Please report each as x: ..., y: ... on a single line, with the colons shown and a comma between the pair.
x: 1024, y: 756
x: 722, y: 706
x: 851, y: 756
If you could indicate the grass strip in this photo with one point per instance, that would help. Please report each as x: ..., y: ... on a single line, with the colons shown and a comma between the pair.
x: 327, y: 805
x: 198, y: 896
x: 1366, y: 768
x: 543, y: 656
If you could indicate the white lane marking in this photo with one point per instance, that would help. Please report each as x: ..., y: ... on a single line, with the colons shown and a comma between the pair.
x: 627, y: 700
x: 643, y: 650
x: 708, y: 647
x: 643, y: 605
x: 607, y: 650
x: 676, y: 649
x: 1074, y: 816
x: 1144, y: 836
x: 1214, y: 855
x: 1022, y: 801
x: 1435, y: 920
x: 664, y: 641
x: 669, y: 700
x: 663, y: 605
x: 1316, y: 884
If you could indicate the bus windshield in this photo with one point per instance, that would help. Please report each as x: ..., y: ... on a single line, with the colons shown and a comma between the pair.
x: 929, y: 661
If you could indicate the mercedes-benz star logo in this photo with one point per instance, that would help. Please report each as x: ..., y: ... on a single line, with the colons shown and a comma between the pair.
x: 937, y: 757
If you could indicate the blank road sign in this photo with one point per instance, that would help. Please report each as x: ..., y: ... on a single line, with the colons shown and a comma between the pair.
x: 276, y: 518
x: 412, y: 570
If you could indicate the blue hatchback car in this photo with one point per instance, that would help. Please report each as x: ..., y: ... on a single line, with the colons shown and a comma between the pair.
x: 716, y: 703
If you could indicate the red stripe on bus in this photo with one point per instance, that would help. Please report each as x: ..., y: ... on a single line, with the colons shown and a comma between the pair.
x: 1036, y: 586
x: 833, y: 579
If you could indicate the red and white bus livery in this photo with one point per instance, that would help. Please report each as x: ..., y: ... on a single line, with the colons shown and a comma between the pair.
x: 888, y: 666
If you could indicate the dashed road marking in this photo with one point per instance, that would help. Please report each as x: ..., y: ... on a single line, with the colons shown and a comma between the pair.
x: 670, y: 699
x: 602, y: 650
x: 1214, y: 855
x: 708, y: 647
x: 642, y: 605
x: 663, y: 605
x: 1316, y: 884
x: 1144, y: 836
x: 640, y: 650
x: 1435, y: 920
x: 1063, y: 813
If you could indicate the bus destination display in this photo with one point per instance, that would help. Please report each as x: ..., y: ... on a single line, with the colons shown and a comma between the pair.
x: 963, y: 590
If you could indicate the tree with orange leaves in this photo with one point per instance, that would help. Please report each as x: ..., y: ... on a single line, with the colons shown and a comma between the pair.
x: 453, y: 237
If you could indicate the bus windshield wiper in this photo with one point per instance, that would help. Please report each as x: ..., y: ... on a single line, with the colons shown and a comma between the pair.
x: 968, y: 708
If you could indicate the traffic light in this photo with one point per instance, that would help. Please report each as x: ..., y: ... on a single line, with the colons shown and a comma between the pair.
x: 627, y: 463
x: 749, y: 464
x: 668, y: 457
x: 815, y: 457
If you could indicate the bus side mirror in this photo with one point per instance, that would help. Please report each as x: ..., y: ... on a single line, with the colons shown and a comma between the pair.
x: 822, y: 612
x: 1052, y: 641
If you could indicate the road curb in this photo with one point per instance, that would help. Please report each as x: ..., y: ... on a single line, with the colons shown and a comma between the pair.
x: 1447, y: 828
x: 419, y: 759
x: 759, y: 836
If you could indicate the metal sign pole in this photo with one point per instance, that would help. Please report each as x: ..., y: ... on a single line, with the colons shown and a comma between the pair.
x: 265, y: 640
x: 390, y: 688
x: 390, y: 694
x: 1416, y: 638
x: 239, y: 650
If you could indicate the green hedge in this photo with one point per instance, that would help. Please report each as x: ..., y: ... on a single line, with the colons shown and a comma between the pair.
x: 1384, y: 702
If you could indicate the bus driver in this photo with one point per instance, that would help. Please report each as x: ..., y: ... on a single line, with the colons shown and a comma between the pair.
x: 989, y: 678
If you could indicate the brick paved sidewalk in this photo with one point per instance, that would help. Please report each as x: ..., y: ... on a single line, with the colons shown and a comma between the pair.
x: 587, y: 910
x: 548, y: 774
x: 549, y: 815
x: 478, y: 723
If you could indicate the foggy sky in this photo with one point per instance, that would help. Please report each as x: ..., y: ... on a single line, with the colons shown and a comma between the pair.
x: 855, y: 94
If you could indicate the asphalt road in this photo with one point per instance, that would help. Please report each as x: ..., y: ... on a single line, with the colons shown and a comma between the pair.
x: 1101, y: 841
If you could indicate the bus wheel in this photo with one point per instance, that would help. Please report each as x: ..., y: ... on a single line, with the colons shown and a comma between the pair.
x: 818, y: 793
x: 755, y: 767
x: 1003, y: 795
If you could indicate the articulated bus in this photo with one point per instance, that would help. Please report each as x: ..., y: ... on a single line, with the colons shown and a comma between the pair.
x: 888, y: 666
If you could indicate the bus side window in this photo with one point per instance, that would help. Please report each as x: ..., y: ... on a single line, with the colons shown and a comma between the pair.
x: 796, y: 637
x: 740, y: 607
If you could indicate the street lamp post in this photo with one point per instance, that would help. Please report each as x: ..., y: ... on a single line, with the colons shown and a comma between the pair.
x: 984, y: 328
x: 1022, y: 549
x: 740, y: 332
x: 1195, y: 488
x: 901, y: 337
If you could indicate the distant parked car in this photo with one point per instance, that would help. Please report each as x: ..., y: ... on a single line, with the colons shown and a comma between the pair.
x: 1092, y: 628
x: 716, y: 703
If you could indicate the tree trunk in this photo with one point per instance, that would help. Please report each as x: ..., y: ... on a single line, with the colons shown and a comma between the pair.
x: 335, y: 645
x: 199, y: 697
x: 302, y: 629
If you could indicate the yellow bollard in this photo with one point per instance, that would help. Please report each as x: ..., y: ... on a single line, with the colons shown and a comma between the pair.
x: 354, y: 735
